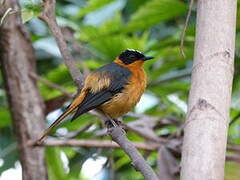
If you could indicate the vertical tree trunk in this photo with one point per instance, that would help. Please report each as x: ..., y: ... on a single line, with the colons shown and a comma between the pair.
x: 206, y: 126
x: 17, y: 60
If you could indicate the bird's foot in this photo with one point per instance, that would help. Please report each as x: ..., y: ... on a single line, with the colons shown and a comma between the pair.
x: 119, y: 123
x: 110, y: 123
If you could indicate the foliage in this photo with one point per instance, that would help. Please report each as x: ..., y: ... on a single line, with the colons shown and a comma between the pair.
x: 153, y: 27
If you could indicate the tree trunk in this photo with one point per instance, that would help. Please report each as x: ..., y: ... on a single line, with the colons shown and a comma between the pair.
x: 17, y: 60
x: 205, y: 133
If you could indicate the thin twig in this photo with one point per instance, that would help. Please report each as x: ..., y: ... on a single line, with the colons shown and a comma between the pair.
x: 95, y: 143
x: 185, y: 28
x: 111, y: 168
x: 50, y: 84
x: 234, y: 148
x: 80, y: 131
x: 172, y: 78
x: 48, y: 16
x: 233, y: 157
x: 7, y: 12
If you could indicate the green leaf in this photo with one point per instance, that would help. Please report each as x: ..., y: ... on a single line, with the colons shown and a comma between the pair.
x: 122, y: 162
x: 55, y: 164
x: 154, y: 12
x: 27, y: 15
x: 109, y: 48
x: 91, y: 6
x: 8, y: 149
x: 5, y: 117
x: 30, y: 9
x: 60, y: 76
x: 232, y: 171
x: 88, y: 33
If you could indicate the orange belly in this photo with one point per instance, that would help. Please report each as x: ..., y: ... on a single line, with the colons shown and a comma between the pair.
x: 123, y: 102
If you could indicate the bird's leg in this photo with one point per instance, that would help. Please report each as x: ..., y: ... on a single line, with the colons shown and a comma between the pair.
x: 110, y: 122
x: 118, y: 122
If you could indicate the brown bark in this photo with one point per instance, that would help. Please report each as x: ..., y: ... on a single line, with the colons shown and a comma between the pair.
x: 205, y: 132
x: 17, y: 60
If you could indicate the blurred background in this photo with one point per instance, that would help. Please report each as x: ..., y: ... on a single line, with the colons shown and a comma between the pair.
x: 96, y: 32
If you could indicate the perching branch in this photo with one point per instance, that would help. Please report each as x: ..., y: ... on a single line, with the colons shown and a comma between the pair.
x: 117, y: 133
x: 143, y: 127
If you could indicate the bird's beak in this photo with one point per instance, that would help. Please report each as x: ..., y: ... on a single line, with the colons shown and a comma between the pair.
x: 147, y: 58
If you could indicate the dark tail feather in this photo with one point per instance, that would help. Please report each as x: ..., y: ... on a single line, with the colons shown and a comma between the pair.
x: 55, y: 123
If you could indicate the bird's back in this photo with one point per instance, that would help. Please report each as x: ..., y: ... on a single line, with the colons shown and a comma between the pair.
x: 129, y: 96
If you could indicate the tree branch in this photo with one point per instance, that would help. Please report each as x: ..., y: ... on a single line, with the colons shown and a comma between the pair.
x: 234, y: 148
x: 96, y: 143
x: 50, y: 84
x: 55, y: 103
x: 161, y: 80
x: 119, y: 136
x: 233, y: 157
x: 48, y: 16
x: 84, y: 128
x: 111, y: 144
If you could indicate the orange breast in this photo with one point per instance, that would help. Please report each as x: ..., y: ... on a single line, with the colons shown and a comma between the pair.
x: 123, y: 102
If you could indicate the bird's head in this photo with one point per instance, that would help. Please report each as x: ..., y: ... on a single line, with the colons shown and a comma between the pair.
x: 130, y: 56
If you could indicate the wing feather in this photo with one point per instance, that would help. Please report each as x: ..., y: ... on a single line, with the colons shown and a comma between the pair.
x: 118, y: 79
x: 91, y: 102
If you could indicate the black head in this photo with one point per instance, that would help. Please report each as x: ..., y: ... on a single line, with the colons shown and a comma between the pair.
x: 129, y: 56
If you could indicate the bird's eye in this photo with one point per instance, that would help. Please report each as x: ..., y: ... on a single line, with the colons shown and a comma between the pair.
x: 131, y: 57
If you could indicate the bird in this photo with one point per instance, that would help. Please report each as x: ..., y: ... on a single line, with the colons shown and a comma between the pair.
x: 113, y: 89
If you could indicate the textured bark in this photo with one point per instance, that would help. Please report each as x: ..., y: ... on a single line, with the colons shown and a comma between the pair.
x: 17, y: 60
x: 139, y: 163
x: 207, y: 121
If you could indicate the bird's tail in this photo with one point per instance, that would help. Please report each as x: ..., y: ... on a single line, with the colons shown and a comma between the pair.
x: 56, y: 122
x: 70, y: 110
